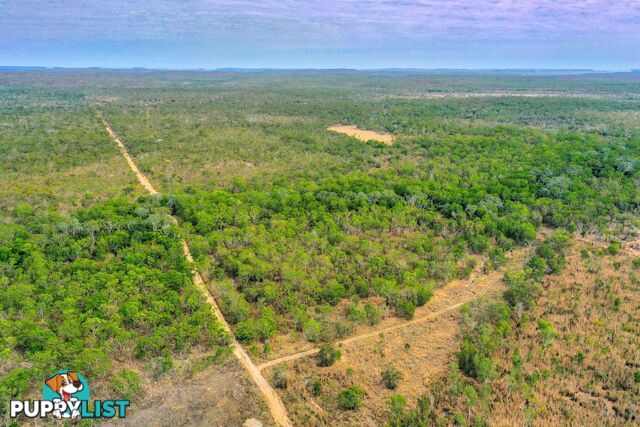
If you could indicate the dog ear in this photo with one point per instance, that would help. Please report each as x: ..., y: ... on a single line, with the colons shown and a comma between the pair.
x: 54, y: 382
x: 73, y: 375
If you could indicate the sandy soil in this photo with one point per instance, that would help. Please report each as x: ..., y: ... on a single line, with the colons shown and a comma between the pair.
x: 363, y: 135
x: 141, y: 177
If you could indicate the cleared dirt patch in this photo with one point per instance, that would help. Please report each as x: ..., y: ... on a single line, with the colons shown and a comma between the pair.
x: 216, y: 396
x: 362, y: 135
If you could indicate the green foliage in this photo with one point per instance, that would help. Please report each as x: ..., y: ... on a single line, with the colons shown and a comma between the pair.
x: 522, y: 290
x: 420, y: 416
x: 373, y: 313
x: 306, y: 218
x: 405, y: 308
x: 546, y: 332
x: 614, y: 248
x: 327, y: 356
x: 279, y: 377
x: 316, y: 387
x: 98, y: 284
x: 126, y: 384
x: 391, y: 377
x: 490, y: 328
x: 351, y: 398
x: 14, y: 385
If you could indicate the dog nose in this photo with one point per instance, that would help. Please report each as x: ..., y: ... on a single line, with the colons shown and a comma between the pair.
x: 77, y: 384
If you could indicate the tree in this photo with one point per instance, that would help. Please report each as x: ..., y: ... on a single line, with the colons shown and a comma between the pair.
x: 279, y: 377
x: 350, y: 399
x: 546, y: 332
x: 327, y: 356
x: 391, y: 377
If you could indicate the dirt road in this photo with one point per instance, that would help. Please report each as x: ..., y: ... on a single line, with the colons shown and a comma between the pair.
x: 143, y: 179
x: 493, y: 279
x: 278, y: 411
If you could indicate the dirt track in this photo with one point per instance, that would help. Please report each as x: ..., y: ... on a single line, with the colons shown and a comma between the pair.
x: 143, y: 179
x: 278, y: 411
x: 377, y: 332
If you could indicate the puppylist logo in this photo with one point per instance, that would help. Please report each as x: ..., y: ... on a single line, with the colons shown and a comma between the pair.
x: 66, y: 394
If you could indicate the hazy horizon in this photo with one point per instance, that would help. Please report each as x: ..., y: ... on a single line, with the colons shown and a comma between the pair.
x: 342, y: 69
x: 315, y: 34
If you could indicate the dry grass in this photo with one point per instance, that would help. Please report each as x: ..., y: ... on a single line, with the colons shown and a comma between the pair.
x: 422, y: 352
x: 587, y: 373
x: 363, y: 135
x: 217, y: 395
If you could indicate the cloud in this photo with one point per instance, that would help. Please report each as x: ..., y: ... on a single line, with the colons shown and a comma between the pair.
x: 382, y: 25
x: 303, y: 21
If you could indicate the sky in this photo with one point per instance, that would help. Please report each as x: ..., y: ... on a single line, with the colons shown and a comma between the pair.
x: 191, y: 34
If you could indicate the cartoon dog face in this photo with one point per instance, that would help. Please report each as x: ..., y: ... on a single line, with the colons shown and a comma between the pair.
x: 65, y: 384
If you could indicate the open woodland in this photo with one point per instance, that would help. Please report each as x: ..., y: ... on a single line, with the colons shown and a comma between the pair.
x: 527, y: 184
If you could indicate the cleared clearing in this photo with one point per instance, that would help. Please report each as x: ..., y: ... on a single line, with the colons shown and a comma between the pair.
x: 361, y: 134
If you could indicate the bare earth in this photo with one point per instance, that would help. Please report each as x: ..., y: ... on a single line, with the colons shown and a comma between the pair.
x: 363, y: 135
x: 216, y: 396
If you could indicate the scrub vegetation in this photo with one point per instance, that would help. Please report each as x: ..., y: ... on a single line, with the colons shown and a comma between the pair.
x: 302, y: 234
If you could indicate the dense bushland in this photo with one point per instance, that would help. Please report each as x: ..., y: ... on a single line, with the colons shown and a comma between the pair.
x: 298, y: 229
x: 396, y: 231
x: 107, y: 282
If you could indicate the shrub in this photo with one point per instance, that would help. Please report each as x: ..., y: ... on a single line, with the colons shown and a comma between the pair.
x: 374, y: 314
x: 521, y: 289
x: 406, y: 309
x: 279, y: 377
x: 126, y: 384
x: 246, y: 331
x: 546, y: 331
x: 316, y: 387
x: 328, y: 355
x: 421, y: 416
x: 614, y: 248
x: 391, y: 377
x: 350, y: 399
x: 312, y: 330
x: 333, y: 292
x: 355, y: 313
x: 423, y: 295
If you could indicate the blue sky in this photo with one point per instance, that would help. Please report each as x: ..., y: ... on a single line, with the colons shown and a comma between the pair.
x: 179, y: 34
